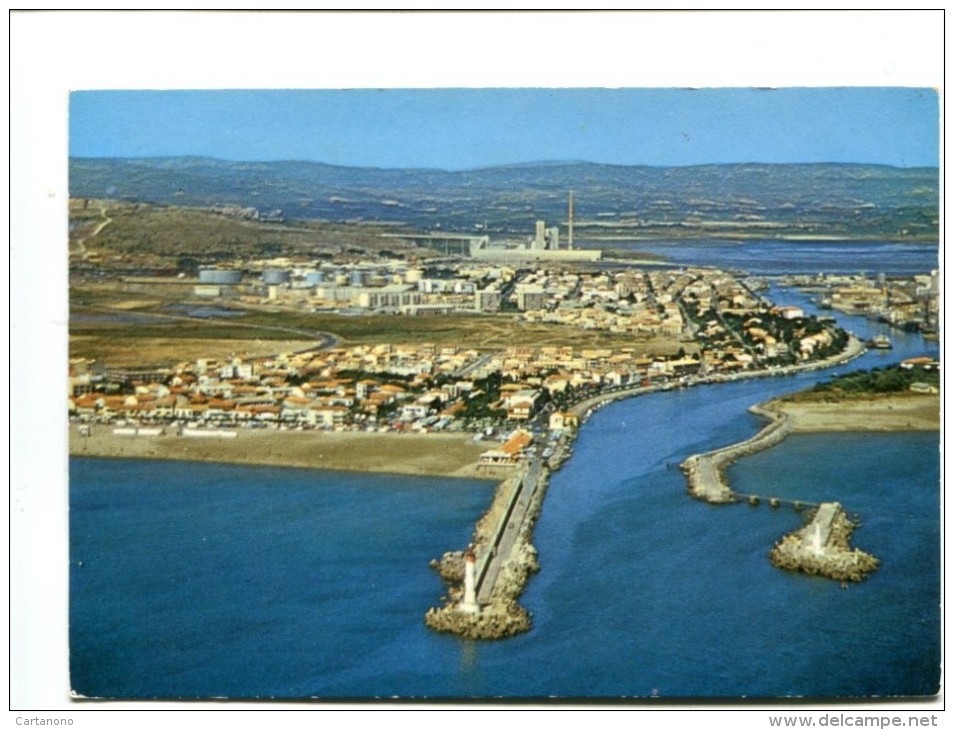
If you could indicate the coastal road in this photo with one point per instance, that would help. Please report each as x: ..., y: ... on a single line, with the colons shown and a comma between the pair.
x: 476, y: 364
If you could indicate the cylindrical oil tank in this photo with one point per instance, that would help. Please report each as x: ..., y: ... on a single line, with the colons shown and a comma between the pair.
x: 215, y: 275
x: 276, y: 276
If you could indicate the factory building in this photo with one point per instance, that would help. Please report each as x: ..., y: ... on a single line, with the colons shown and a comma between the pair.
x: 394, y: 296
x: 544, y: 246
x: 531, y: 298
x: 546, y: 239
x: 487, y: 300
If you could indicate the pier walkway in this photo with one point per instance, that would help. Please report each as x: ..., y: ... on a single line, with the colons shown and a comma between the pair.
x: 507, y: 531
x: 705, y: 472
x: 755, y: 499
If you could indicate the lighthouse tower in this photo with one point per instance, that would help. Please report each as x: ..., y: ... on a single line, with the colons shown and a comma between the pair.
x: 469, y: 604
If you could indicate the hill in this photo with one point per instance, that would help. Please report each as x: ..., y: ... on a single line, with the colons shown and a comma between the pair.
x: 739, y: 200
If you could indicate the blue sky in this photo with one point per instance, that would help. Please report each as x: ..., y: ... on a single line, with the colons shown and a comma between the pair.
x: 469, y: 128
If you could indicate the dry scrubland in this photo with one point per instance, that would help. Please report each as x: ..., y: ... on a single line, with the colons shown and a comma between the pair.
x: 128, y: 351
x: 171, y: 232
x: 878, y: 413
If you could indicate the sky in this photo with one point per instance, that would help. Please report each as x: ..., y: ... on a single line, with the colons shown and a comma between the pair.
x: 455, y: 129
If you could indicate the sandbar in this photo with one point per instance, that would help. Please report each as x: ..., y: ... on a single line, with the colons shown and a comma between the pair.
x: 433, y: 454
x: 878, y: 413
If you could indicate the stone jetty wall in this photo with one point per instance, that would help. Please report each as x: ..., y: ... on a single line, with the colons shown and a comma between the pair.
x: 705, y: 473
x: 797, y: 551
x: 503, y: 616
x: 836, y: 559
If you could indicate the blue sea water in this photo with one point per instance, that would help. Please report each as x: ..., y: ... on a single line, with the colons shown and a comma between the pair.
x: 207, y: 580
x: 202, y: 580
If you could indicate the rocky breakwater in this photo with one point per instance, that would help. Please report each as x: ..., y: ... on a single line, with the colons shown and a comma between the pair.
x: 822, y: 548
x: 705, y: 473
x: 502, y: 616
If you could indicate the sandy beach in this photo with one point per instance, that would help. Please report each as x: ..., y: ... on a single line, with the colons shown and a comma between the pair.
x: 884, y: 413
x: 451, y: 455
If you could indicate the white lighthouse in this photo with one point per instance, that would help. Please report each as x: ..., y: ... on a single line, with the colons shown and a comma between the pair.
x: 469, y: 604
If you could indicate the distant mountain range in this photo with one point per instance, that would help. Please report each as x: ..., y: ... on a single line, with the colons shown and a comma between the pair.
x: 609, y: 201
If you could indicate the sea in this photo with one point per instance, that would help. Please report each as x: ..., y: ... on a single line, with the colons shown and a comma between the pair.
x: 197, y: 581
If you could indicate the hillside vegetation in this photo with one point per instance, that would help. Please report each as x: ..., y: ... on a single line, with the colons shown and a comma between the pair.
x: 186, y: 237
x: 867, y: 384
x: 740, y: 200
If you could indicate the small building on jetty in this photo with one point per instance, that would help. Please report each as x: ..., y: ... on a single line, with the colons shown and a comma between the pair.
x: 509, y: 453
x: 821, y: 548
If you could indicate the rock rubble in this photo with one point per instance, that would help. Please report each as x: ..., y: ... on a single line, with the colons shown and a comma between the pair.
x: 837, y: 560
x: 503, y: 616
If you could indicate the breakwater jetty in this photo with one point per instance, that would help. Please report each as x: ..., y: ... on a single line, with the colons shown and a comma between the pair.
x: 705, y: 473
x: 821, y: 547
x: 486, y: 580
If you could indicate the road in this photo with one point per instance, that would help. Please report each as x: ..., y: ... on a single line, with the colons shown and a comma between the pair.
x: 508, y: 537
x: 325, y: 340
x: 81, y: 242
x: 476, y: 364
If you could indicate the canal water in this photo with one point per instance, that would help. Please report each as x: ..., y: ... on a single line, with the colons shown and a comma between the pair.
x: 201, y: 580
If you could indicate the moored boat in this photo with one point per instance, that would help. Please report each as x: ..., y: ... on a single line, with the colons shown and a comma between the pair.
x: 880, y: 342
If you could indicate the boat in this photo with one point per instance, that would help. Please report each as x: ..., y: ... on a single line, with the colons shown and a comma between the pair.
x: 880, y: 342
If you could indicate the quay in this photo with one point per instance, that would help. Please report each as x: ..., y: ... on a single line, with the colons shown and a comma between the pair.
x: 507, y: 531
